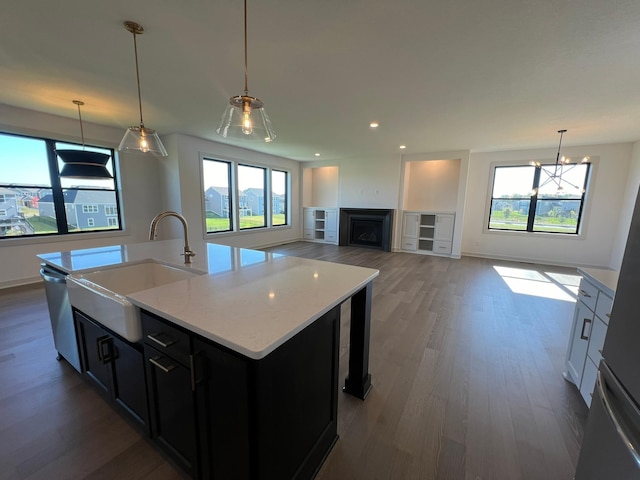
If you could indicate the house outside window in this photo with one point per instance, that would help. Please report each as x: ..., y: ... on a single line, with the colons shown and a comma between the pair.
x: 531, y: 198
x: 38, y: 201
x: 242, y: 196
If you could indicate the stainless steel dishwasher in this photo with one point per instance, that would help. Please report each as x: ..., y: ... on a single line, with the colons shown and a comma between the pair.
x: 62, y: 325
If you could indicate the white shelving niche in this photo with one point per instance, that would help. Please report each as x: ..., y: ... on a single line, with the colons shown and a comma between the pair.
x: 429, y: 233
x: 321, y: 224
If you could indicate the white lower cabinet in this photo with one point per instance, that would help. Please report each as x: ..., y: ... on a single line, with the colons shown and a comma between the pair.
x: 588, y: 332
x: 320, y: 224
x: 427, y: 232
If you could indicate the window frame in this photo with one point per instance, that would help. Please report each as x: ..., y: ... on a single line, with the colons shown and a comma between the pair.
x: 235, y: 193
x: 534, y: 198
x: 57, y: 192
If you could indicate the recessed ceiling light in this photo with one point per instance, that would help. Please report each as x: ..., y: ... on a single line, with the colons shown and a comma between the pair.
x: 402, y: 147
x: 317, y: 154
x: 374, y: 124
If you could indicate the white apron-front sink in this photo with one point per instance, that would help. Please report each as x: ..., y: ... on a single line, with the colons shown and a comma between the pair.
x: 101, y: 294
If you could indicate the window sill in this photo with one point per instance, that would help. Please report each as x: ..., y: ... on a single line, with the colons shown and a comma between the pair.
x: 18, y: 241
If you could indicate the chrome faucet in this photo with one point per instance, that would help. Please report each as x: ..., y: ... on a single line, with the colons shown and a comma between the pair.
x: 154, y: 225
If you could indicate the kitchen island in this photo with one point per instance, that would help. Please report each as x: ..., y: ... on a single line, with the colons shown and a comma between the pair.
x: 240, y: 363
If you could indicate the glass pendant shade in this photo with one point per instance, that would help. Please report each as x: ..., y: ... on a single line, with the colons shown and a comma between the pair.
x: 144, y: 140
x: 83, y: 164
x: 246, y: 119
x: 140, y: 138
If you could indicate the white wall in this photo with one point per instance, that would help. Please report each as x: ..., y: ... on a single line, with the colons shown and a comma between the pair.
x: 148, y: 186
x: 600, y: 231
x: 628, y: 202
x: 325, y: 187
x: 182, y: 181
x: 432, y: 185
x: 138, y: 180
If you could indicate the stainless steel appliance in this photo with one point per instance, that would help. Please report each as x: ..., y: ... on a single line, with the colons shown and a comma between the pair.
x: 62, y: 325
x: 611, y: 444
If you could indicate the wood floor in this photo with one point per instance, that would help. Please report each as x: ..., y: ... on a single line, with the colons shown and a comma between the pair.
x: 467, y: 381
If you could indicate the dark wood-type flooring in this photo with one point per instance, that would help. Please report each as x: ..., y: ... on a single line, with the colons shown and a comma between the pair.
x: 467, y: 381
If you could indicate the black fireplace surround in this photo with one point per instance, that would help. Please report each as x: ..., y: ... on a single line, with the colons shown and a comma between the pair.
x: 366, y: 227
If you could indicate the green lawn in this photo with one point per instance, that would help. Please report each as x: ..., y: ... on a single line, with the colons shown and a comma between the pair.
x: 222, y: 224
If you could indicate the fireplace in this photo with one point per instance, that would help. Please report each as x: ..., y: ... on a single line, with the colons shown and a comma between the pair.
x: 366, y: 227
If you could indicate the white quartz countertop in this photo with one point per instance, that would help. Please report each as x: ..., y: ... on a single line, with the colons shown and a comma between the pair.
x: 247, y: 300
x: 605, y: 280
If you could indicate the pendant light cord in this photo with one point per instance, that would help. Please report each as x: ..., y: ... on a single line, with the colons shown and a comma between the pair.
x: 78, y: 103
x: 246, y: 68
x: 135, y: 50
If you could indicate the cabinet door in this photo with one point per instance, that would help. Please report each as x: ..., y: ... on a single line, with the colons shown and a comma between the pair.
x: 222, y: 403
x: 172, y: 419
x: 410, y: 225
x: 582, y: 323
x: 95, y: 352
x: 444, y: 228
x: 331, y: 220
x: 128, y: 384
x: 309, y: 217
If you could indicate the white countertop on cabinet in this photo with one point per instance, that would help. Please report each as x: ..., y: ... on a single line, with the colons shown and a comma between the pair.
x: 248, y: 300
x: 605, y: 280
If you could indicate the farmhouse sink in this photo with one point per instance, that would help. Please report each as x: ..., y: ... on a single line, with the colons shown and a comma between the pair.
x: 101, y: 294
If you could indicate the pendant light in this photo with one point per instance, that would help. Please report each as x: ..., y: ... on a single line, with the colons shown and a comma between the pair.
x: 140, y: 137
x: 245, y: 117
x: 81, y: 163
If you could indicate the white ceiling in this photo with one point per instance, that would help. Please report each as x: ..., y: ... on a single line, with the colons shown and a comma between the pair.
x: 437, y: 75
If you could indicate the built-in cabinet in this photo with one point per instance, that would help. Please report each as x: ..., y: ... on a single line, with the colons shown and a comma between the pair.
x: 588, y: 332
x: 427, y: 232
x: 320, y: 224
x: 114, y: 366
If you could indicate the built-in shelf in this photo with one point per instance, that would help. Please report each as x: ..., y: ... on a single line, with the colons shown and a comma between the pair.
x: 320, y: 224
x: 427, y: 232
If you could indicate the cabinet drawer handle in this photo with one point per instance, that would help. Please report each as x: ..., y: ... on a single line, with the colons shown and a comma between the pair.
x: 193, y: 373
x: 153, y: 336
x: 583, y: 293
x: 154, y: 361
x: 584, y: 324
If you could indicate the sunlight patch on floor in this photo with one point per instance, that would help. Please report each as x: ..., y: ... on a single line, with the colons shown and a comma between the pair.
x: 540, y: 284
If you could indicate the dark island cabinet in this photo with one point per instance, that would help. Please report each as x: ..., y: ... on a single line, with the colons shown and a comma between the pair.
x: 222, y: 415
x: 170, y: 388
x: 114, y: 366
x: 273, y: 418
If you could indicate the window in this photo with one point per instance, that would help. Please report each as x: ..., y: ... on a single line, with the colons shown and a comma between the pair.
x: 279, y: 200
x: 3, y: 213
x: 113, y: 222
x: 251, y: 204
x: 531, y: 198
x: 38, y: 201
x: 111, y: 210
x: 216, y: 176
x: 91, y: 222
x: 89, y: 209
x: 242, y: 197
